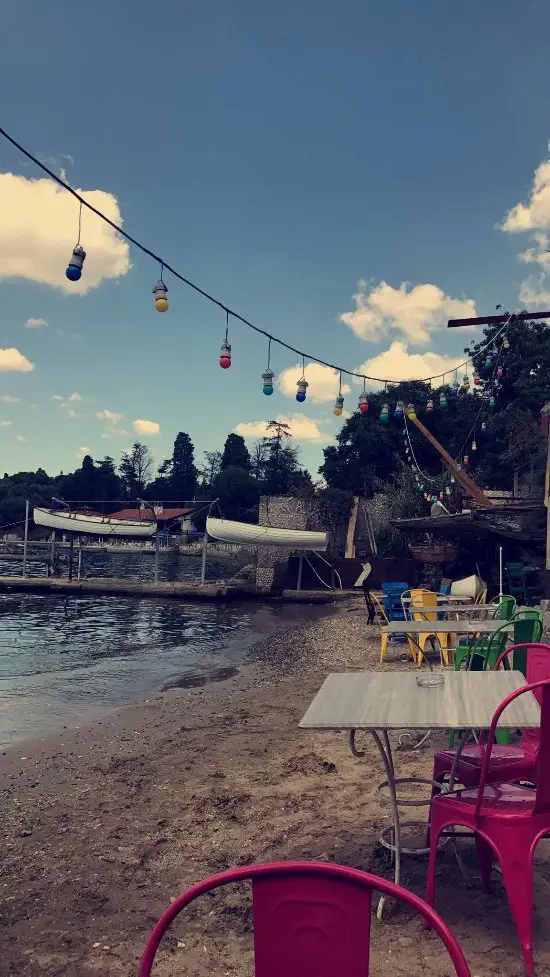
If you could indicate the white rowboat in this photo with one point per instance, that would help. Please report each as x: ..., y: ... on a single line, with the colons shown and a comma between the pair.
x: 78, y: 522
x: 228, y: 531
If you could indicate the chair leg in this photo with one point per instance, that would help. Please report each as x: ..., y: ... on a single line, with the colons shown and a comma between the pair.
x: 517, y: 875
x: 383, y: 645
x: 485, y: 856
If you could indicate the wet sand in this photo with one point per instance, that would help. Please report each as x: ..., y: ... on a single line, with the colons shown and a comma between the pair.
x: 103, y: 825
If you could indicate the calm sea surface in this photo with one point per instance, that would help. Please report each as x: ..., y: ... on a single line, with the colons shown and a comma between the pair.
x: 64, y: 659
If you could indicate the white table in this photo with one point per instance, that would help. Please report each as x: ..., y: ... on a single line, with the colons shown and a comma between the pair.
x: 383, y: 701
x: 450, y: 627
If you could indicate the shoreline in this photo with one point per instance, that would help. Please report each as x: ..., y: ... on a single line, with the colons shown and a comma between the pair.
x: 102, y: 826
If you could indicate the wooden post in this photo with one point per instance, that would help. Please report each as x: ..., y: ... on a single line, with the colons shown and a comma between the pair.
x: 300, y: 571
x: 545, y: 425
x: 79, y: 562
x: 350, y: 538
x: 460, y: 475
x: 26, y: 538
x: 71, y: 548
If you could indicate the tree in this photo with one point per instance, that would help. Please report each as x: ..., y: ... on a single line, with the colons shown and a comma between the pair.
x: 238, y: 494
x: 135, y: 470
x: 181, y: 471
x: 281, y: 474
x: 235, y: 453
x: 108, y: 487
x: 334, y: 507
x: 209, y: 471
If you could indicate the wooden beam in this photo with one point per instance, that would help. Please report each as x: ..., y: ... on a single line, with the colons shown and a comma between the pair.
x: 460, y: 475
x: 497, y: 320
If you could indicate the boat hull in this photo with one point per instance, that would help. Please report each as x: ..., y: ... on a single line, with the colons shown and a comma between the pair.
x: 228, y: 531
x: 74, y: 522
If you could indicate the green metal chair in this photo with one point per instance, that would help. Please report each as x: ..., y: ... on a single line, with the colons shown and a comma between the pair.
x: 528, y: 628
x: 504, y: 610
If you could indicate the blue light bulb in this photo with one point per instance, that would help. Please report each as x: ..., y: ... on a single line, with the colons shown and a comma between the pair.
x: 300, y: 396
x: 73, y: 273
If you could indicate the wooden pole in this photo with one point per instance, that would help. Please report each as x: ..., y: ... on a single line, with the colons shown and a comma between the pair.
x: 71, y: 548
x: 460, y: 475
x: 350, y: 538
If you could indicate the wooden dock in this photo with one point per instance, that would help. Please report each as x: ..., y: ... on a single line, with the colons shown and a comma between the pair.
x: 180, y: 590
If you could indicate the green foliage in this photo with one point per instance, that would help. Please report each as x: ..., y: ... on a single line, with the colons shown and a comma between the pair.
x: 235, y: 453
x: 238, y: 494
x: 135, y: 471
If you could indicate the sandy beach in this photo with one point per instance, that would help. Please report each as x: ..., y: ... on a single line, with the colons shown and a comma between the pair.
x: 101, y: 826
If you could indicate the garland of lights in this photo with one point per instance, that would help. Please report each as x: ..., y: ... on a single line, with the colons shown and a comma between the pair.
x: 160, y: 291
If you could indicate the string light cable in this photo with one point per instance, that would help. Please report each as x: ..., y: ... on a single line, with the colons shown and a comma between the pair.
x: 74, y: 270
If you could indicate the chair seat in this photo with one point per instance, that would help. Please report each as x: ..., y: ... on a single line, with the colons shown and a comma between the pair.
x: 504, y: 799
x: 500, y: 754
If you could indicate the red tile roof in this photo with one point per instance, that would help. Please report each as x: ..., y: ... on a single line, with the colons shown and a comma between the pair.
x: 146, y: 515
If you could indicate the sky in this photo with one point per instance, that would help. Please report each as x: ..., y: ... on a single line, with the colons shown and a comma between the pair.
x: 345, y: 175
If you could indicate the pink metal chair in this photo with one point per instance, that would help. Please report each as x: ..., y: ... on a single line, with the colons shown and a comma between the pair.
x: 310, y: 919
x: 508, y: 762
x: 508, y: 821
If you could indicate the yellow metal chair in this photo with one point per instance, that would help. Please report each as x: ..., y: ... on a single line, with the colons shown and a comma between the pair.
x: 424, y: 606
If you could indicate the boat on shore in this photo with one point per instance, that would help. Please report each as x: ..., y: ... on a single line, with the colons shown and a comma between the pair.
x: 93, y: 525
x: 229, y: 531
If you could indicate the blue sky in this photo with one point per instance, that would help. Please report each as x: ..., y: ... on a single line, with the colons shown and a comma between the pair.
x: 277, y: 154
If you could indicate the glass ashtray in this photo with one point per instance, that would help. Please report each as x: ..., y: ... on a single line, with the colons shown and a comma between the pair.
x: 431, y: 680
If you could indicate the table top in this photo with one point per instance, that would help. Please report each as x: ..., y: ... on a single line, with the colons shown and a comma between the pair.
x: 449, y: 627
x: 450, y: 609
x: 466, y: 601
x: 393, y: 700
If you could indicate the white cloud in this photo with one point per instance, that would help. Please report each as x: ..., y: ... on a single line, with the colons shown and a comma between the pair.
x: 8, y: 399
x: 534, y: 291
x: 20, y: 438
x: 322, y: 380
x: 396, y: 363
x: 535, y: 215
x: 39, y: 229
x: 147, y: 428
x: 302, y: 428
x: 82, y: 450
x: 109, y: 415
x: 74, y: 397
x: 5, y: 423
x: 57, y: 397
x: 13, y: 361
x: 71, y: 412
x: 415, y: 311
x: 35, y: 323
x: 114, y: 432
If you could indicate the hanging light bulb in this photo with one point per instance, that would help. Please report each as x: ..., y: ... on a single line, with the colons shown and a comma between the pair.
x: 74, y: 269
x: 267, y: 380
x: 447, y: 490
x: 398, y: 412
x: 363, y: 403
x: 455, y: 387
x: 506, y: 343
x: 483, y: 425
x: 385, y: 413
x: 430, y: 406
x: 441, y: 496
x: 488, y: 362
x: 474, y: 445
x: 411, y: 410
x: 302, y: 388
x: 477, y: 381
x: 452, y: 479
x: 500, y: 372
x: 466, y: 383
x: 494, y: 353
x: 442, y: 399
x: 465, y: 460
x: 225, y: 356
x: 492, y: 401
x: 459, y: 466
x: 338, y: 405
x: 421, y: 487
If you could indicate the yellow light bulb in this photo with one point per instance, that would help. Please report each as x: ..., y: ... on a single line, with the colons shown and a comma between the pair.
x: 161, y: 304
x: 337, y: 411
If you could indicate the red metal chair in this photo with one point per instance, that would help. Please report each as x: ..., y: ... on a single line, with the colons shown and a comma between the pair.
x: 508, y: 762
x: 310, y: 919
x: 508, y: 821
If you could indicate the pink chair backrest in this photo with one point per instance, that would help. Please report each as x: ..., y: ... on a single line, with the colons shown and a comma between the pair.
x: 542, y: 798
x: 310, y: 919
x: 538, y: 667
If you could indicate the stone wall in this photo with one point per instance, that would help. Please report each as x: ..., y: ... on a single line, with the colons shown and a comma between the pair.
x: 283, y: 512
